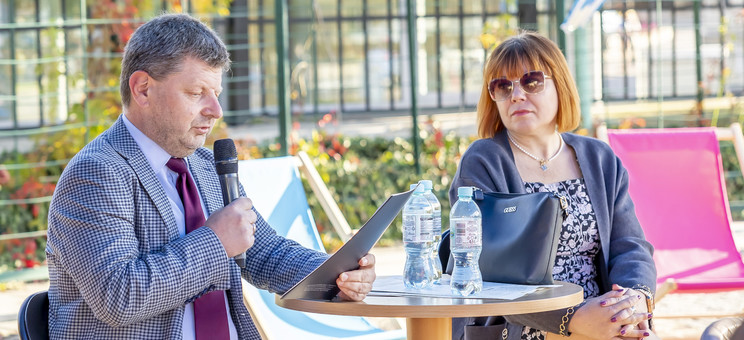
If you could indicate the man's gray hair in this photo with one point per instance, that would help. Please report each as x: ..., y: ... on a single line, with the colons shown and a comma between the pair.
x: 159, y: 47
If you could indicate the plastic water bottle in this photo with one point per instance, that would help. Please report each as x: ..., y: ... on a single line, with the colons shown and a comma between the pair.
x: 437, y: 226
x: 417, y: 240
x: 465, y: 243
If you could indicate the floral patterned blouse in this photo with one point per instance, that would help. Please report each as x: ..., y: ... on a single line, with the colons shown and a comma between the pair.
x: 579, y: 241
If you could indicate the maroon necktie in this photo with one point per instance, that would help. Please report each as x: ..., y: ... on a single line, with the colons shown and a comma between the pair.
x: 210, y: 314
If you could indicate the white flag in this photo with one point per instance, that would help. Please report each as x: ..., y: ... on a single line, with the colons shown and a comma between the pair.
x: 580, y: 14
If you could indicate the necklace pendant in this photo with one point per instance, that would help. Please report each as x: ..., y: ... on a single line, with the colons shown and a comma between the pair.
x: 544, y: 165
x: 543, y: 162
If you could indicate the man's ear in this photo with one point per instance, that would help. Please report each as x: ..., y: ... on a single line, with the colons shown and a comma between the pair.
x: 139, y: 86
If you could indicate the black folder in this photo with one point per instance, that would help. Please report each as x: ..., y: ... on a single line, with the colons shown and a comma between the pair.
x: 320, y: 284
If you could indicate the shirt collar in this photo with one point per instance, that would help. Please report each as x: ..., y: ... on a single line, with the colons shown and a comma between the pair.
x: 156, y: 155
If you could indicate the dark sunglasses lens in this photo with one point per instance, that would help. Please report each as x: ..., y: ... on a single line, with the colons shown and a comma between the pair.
x: 532, y: 82
x: 500, y: 88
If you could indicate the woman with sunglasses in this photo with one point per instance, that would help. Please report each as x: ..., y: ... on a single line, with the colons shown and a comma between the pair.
x: 528, y: 104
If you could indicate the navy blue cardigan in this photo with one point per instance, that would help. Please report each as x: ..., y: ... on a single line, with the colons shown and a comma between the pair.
x: 626, y: 256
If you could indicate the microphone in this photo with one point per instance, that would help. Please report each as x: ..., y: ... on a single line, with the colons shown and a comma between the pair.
x: 226, y: 163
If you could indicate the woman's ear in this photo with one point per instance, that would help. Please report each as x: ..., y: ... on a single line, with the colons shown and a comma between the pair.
x: 139, y: 86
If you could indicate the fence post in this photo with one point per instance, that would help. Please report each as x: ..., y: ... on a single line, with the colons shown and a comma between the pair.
x: 584, y: 66
x: 560, y: 16
x: 413, y: 60
x: 698, y: 61
x: 282, y: 73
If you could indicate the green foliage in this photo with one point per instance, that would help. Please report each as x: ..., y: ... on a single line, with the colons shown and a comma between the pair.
x: 22, y: 253
x: 362, y: 172
x: 24, y: 217
x: 734, y: 180
x: 498, y: 30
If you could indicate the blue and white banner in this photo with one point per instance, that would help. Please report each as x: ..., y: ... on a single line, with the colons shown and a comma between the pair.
x: 581, y: 13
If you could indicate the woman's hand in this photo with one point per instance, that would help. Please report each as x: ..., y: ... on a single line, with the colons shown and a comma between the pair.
x: 633, y: 327
x: 649, y: 335
x: 609, y: 315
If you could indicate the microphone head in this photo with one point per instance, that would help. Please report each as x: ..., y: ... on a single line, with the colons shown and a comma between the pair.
x: 225, y: 156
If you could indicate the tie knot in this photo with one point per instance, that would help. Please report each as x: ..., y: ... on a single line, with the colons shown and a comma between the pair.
x: 178, y: 165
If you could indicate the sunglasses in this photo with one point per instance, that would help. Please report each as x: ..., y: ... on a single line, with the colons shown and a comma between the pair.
x: 532, y: 82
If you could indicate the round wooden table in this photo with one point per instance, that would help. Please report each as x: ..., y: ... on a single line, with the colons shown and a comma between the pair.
x: 431, y: 318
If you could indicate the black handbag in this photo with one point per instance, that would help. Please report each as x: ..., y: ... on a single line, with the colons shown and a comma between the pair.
x: 520, y: 236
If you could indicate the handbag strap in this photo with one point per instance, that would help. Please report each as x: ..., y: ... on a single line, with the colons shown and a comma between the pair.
x: 477, y: 193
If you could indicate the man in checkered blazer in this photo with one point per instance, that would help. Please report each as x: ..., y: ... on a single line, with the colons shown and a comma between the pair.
x: 120, y: 263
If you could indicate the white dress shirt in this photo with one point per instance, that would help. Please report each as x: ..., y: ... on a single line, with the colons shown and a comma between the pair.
x: 157, y: 157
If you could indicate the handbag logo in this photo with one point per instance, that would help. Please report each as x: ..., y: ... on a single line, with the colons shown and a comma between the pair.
x: 510, y: 209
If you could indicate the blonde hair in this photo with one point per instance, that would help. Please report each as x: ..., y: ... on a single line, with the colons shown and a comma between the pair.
x: 537, y: 52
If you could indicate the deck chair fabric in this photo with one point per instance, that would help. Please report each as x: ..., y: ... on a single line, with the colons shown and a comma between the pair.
x: 275, y: 187
x: 676, y: 181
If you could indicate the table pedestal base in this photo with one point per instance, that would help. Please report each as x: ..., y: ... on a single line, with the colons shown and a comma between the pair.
x: 429, y: 328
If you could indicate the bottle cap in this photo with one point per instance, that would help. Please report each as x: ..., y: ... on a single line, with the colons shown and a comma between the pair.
x: 427, y: 184
x: 465, y: 191
x: 418, y: 187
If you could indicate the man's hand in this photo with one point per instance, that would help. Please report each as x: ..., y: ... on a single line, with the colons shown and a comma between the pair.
x: 356, y: 284
x: 235, y: 226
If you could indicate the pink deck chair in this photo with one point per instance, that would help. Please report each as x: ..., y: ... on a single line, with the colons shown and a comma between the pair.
x: 676, y: 182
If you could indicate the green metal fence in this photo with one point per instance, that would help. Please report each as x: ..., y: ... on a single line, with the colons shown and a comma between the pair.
x: 351, y: 56
x: 59, y: 67
x: 675, y: 49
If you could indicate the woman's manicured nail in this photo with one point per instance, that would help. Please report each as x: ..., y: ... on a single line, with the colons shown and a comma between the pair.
x: 603, y: 302
x: 650, y: 315
x: 614, y: 319
x: 622, y: 332
x: 646, y: 334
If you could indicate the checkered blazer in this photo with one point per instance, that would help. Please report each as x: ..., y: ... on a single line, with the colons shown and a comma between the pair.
x: 117, y: 266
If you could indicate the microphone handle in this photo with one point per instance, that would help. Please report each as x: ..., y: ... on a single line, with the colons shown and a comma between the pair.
x: 229, y: 183
x: 230, y: 192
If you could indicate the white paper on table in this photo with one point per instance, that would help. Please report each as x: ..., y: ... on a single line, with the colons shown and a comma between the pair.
x: 393, y: 285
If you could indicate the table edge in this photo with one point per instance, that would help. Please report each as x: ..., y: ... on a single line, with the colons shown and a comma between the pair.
x: 500, y: 307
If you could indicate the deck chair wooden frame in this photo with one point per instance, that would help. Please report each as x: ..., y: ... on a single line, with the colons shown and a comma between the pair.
x: 274, y: 186
x: 733, y: 133
x: 320, y: 190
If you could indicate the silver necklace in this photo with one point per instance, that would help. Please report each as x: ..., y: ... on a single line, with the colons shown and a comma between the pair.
x: 543, y: 162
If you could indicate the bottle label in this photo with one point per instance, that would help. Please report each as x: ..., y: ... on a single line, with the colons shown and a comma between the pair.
x: 467, y: 233
x: 418, y: 228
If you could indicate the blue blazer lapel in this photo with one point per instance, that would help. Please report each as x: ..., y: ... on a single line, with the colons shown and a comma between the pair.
x: 127, y: 147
